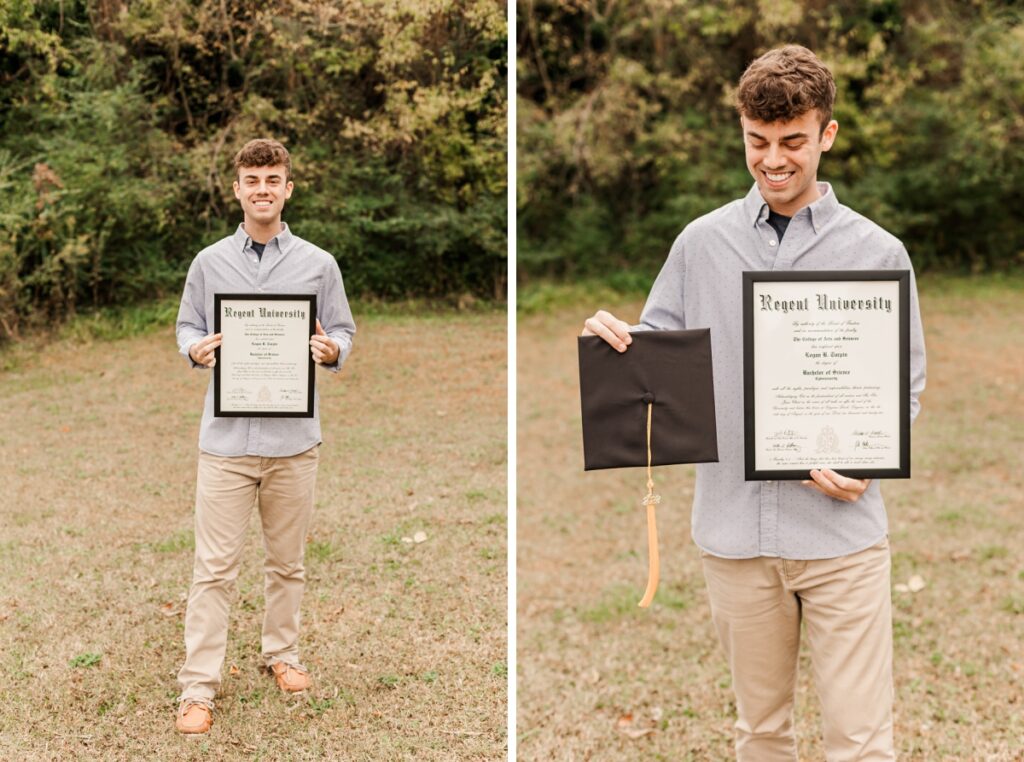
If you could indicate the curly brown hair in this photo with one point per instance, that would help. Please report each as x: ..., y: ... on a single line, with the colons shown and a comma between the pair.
x: 263, y: 152
x: 784, y: 84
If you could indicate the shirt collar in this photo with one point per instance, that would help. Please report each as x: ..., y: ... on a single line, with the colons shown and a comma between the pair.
x: 820, y: 211
x: 284, y: 238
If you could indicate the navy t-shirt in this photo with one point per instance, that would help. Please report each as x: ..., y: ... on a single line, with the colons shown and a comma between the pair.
x: 777, y: 221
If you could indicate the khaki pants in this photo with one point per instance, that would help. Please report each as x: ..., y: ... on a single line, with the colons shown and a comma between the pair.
x: 226, y: 491
x: 845, y: 603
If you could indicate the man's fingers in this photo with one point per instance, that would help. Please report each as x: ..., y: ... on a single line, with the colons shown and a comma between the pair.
x: 618, y: 338
x: 832, y: 483
x: 842, y: 482
x: 619, y: 327
x: 600, y: 329
x: 320, y: 329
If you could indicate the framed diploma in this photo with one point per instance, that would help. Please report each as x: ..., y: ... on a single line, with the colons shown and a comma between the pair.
x: 264, y: 366
x: 826, y: 366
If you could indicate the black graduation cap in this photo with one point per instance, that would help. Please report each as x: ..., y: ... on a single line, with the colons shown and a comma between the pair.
x: 652, y: 405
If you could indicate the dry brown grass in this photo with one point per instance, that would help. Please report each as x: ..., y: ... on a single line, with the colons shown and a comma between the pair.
x: 407, y: 644
x: 588, y: 656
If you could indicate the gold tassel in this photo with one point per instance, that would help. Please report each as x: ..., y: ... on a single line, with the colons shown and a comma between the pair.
x: 650, y: 501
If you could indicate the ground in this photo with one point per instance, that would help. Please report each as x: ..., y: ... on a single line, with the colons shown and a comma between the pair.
x: 599, y: 678
x: 406, y: 641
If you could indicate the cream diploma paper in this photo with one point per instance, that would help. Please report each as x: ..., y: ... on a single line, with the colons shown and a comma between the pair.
x: 826, y: 358
x: 264, y: 356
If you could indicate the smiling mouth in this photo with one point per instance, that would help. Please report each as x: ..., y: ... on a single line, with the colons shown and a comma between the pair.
x: 261, y: 204
x: 777, y: 179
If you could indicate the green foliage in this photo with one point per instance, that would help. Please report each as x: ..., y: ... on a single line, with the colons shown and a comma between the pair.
x: 119, y: 121
x: 627, y: 130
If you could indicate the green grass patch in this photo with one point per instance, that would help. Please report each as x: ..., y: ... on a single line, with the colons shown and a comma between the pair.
x: 88, y: 659
x: 181, y: 540
x: 616, y: 602
x: 389, y: 681
x: 322, y: 551
x: 989, y: 552
x: 1014, y: 604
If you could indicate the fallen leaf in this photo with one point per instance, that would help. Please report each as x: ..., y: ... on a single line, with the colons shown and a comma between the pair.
x: 960, y: 555
x: 915, y: 584
x: 656, y: 714
x: 234, y: 670
x: 420, y: 537
x: 65, y: 429
x: 407, y: 539
x: 901, y: 588
x: 168, y: 609
x: 625, y: 721
x: 591, y: 676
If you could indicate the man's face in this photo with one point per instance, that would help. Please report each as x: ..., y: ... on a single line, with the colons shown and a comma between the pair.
x: 263, y: 191
x: 783, y: 158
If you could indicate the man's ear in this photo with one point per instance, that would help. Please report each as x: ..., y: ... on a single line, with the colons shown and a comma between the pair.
x: 289, y: 186
x: 828, y: 135
x: 237, y: 189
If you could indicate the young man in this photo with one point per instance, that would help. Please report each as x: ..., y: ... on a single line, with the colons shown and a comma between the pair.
x: 778, y: 553
x: 271, y: 462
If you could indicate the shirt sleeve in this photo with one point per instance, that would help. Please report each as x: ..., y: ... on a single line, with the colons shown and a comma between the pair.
x: 191, y: 324
x: 664, y: 308
x: 335, y: 315
x: 917, y: 355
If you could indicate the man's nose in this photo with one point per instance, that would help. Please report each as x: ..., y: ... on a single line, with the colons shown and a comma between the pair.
x: 774, y: 157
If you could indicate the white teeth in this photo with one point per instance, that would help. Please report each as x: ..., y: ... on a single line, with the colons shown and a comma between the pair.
x: 778, y: 178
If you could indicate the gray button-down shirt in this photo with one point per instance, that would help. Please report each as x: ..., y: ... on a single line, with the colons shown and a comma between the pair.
x: 700, y: 286
x: 289, y: 265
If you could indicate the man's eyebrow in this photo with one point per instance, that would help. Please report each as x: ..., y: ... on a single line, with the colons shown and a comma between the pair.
x: 274, y: 176
x: 792, y: 136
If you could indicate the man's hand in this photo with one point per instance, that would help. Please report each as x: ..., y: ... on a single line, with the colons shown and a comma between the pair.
x: 609, y: 328
x: 827, y: 481
x: 324, y: 350
x: 202, y: 351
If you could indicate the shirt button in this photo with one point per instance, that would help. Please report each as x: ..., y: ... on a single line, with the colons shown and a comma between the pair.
x: 771, y: 243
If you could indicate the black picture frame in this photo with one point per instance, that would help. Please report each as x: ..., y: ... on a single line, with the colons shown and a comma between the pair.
x: 902, y: 320
x: 310, y: 367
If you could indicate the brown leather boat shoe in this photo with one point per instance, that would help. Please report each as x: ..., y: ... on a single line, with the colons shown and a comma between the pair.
x: 290, y: 678
x: 193, y: 717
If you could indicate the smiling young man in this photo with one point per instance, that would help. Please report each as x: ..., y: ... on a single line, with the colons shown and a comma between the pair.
x: 778, y: 554
x: 267, y: 462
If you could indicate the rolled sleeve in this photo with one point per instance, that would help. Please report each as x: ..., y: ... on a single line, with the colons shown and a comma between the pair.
x: 335, y: 315
x: 190, y: 326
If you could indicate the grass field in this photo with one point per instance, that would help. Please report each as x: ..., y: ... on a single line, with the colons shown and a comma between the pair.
x: 600, y: 679
x: 406, y: 641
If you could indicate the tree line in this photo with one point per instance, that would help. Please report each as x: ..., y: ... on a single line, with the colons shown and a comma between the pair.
x: 627, y: 129
x: 119, y: 121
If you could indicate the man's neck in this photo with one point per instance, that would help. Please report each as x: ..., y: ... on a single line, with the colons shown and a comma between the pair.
x: 794, y: 206
x: 262, y: 233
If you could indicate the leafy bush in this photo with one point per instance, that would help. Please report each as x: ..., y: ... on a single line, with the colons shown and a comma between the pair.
x: 627, y: 130
x: 118, y: 123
